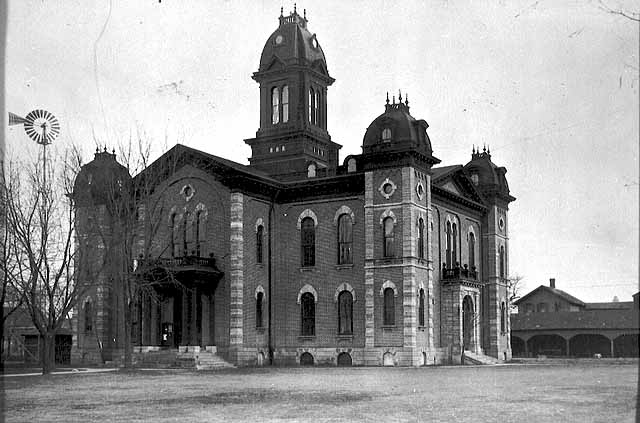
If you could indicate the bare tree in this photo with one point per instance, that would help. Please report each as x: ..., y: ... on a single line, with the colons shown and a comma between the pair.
x: 514, y: 286
x: 40, y: 224
x: 634, y: 16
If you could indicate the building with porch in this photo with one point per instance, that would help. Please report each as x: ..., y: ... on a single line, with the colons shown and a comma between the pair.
x: 296, y: 258
x: 553, y: 323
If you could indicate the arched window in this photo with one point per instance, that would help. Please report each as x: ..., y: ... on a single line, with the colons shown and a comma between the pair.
x: 275, y: 105
x: 285, y: 105
x: 311, y: 171
x: 259, y: 320
x: 316, y: 107
x: 502, y: 261
x: 420, y: 238
x: 185, y: 230
x: 310, y: 105
x: 454, y: 247
x: 308, y: 241
x: 448, y: 244
x: 172, y: 234
x: 389, y: 318
x: 472, y: 250
x: 345, y: 239
x: 387, y: 246
x: 88, y: 316
x: 503, y: 317
x: 345, y: 313
x: 386, y: 135
x: 259, y: 239
x: 199, y: 231
x: 308, y: 313
x: 421, y: 308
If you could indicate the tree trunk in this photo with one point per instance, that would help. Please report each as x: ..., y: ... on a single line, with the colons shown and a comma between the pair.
x: 128, y: 348
x: 48, y: 353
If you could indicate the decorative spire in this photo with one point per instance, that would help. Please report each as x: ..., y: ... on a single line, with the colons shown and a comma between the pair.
x: 294, y: 8
x: 406, y: 99
x: 304, y: 12
x: 387, y: 97
x: 484, y: 148
x: 400, y: 96
x: 473, y: 149
x: 394, y: 99
x: 281, y: 11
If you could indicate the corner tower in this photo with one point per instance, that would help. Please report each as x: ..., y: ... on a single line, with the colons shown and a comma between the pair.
x: 397, y: 160
x: 491, y: 183
x: 292, y: 141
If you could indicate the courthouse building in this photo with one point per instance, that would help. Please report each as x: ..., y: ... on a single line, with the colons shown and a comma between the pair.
x: 385, y: 258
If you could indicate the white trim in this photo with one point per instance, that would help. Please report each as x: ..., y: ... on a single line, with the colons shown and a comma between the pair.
x: 344, y: 210
x: 259, y: 222
x: 388, y: 213
x: 259, y: 288
x: 305, y: 289
x: 344, y: 287
x: 307, y: 213
x: 389, y: 284
x: 393, y: 188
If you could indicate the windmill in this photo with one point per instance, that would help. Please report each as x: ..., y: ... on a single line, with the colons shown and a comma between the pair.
x: 42, y: 127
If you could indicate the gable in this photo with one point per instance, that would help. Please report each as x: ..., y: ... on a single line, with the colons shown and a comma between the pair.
x: 451, y: 187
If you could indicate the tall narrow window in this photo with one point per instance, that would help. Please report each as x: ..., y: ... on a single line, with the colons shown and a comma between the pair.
x: 421, y: 308
x: 389, y: 318
x: 310, y: 105
x: 316, y: 107
x: 172, y: 234
x: 259, y: 239
x: 308, y: 241
x: 472, y: 250
x: 88, y: 317
x: 503, y: 317
x: 502, y: 261
x: 345, y: 313
x: 389, y: 236
x: 285, y: 105
x: 275, y: 105
x: 199, y: 231
x: 454, y: 247
x: 185, y: 230
x: 259, y: 321
x: 345, y: 239
x: 421, y: 238
x: 448, y: 242
x: 308, y: 312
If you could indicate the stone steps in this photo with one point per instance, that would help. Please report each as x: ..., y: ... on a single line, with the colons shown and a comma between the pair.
x: 479, y: 359
x: 199, y: 359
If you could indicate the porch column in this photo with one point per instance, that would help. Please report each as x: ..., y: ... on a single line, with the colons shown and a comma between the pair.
x: 144, y: 321
x: 526, y: 347
x: 611, y: 340
x: 184, y: 336
x: 194, y: 317
x: 568, y: 349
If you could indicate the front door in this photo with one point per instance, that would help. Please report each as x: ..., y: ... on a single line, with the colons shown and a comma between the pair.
x: 467, y: 322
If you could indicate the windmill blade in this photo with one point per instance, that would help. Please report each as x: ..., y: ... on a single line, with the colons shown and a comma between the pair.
x: 15, y: 119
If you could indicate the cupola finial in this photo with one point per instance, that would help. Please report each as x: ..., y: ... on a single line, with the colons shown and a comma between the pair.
x: 400, y: 96
x: 294, y: 8
x: 281, y: 11
x: 394, y: 99
x: 304, y: 12
x: 387, y: 97
x: 484, y: 148
x: 406, y: 99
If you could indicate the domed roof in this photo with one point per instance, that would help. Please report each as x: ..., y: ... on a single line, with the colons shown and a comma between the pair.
x: 396, y: 129
x: 292, y: 44
x: 487, y: 176
x: 101, y: 180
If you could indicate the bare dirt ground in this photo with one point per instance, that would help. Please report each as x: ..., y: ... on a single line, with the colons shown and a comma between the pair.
x: 512, y: 393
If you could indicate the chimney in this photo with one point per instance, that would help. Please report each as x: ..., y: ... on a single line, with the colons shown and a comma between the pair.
x: 552, y: 282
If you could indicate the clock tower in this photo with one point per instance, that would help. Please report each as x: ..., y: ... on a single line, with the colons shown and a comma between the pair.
x: 292, y: 141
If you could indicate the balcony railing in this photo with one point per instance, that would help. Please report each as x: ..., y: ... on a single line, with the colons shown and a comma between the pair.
x: 177, y: 262
x: 457, y: 272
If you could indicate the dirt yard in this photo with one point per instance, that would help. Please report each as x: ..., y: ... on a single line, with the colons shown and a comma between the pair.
x: 511, y: 393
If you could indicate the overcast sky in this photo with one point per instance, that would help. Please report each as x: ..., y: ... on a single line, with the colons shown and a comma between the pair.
x: 551, y: 87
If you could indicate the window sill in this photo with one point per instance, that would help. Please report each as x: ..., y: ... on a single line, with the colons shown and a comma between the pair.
x: 422, y: 328
x: 261, y: 329
x: 344, y: 337
x: 388, y: 328
x: 344, y: 266
x: 307, y: 269
x: 306, y: 337
x: 260, y: 265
